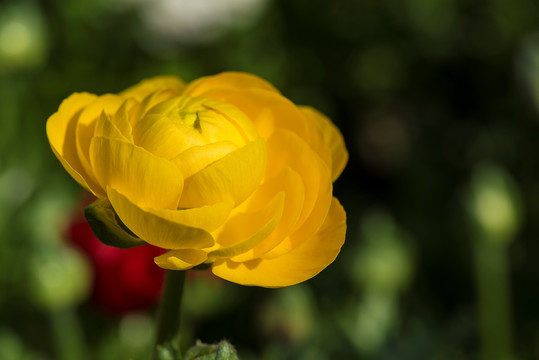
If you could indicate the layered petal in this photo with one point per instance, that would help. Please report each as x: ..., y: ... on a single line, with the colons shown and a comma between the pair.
x: 183, y: 122
x: 285, y: 149
x: 314, y: 220
x: 229, y: 81
x: 267, y: 110
x: 165, y: 138
x: 61, y: 132
x: 146, y: 87
x: 85, y: 130
x: 246, y: 230
x: 104, y: 127
x: 158, y: 230
x: 121, y: 119
x: 332, y: 138
x: 138, y: 112
x: 233, y: 177
x: 231, y: 123
x: 301, y: 264
x: 291, y: 185
x: 141, y: 176
x: 197, y: 158
x: 181, y: 259
x: 208, y: 217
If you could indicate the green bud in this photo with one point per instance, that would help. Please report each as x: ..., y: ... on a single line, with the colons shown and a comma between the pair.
x: 23, y: 37
x: 221, y: 351
x: 59, y: 278
x: 384, y: 261
x: 136, y: 330
x: 375, y: 317
x: 291, y: 312
x: 107, y: 226
x: 494, y: 204
x: 168, y: 351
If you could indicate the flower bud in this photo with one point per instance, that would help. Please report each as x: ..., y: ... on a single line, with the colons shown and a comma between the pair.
x: 494, y: 203
x: 221, y: 351
x: 22, y: 37
x: 59, y: 279
x: 384, y: 262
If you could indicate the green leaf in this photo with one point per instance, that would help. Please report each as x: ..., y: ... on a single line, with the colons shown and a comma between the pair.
x: 107, y: 226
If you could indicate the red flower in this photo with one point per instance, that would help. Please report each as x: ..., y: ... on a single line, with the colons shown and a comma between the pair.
x: 124, y: 279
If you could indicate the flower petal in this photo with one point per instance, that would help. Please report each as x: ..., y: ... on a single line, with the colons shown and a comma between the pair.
x: 61, y: 131
x: 244, y: 126
x: 228, y: 80
x: 121, y: 119
x: 160, y: 136
x: 197, y: 158
x: 332, y: 137
x: 233, y: 177
x: 141, y: 176
x: 104, y: 127
x: 316, y: 216
x: 299, y: 265
x: 208, y: 217
x: 137, y: 112
x: 108, y: 104
x: 155, y: 229
x: 286, y: 149
x: 94, y: 189
x: 267, y: 110
x: 148, y: 86
x: 289, y: 182
x: 244, y: 231
x: 181, y: 259
x: 221, y: 122
x: 162, y: 132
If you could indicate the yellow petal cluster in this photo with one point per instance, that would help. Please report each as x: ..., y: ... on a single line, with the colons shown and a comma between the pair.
x: 224, y: 171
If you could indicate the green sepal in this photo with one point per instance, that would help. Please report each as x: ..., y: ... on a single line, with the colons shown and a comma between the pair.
x: 107, y: 226
x: 220, y: 351
x: 168, y: 351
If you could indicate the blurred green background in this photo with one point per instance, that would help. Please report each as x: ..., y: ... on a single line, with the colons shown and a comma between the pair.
x: 437, y: 100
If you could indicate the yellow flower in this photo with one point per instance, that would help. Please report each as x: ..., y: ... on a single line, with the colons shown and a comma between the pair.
x: 223, y: 171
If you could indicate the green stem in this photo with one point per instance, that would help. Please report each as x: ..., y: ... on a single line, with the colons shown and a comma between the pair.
x: 67, y: 335
x: 494, y: 300
x: 168, y: 317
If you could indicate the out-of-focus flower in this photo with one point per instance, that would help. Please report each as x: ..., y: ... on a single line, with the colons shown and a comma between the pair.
x: 290, y: 315
x: 382, y: 268
x: 198, y: 21
x: 384, y: 262
x: 494, y: 204
x: 23, y: 37
x: 224, y: 172
x: 59, y: 278
x: 124, y: 279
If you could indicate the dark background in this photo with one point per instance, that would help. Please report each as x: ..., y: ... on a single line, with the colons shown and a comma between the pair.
x: 437, y: 103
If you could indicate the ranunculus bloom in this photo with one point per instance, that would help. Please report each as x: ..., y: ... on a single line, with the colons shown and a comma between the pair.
x: 224, y: 171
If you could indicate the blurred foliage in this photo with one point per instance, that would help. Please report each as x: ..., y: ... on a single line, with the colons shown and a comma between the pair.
x: 425, y: 92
